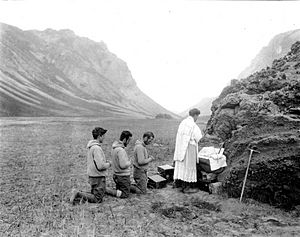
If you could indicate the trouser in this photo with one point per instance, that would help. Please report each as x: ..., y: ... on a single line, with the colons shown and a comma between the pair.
x: 122, y: 184
x: 141, y: 179
x: 98, y: 186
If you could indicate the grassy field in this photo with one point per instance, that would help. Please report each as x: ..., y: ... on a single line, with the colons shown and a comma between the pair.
x: 42, y: 159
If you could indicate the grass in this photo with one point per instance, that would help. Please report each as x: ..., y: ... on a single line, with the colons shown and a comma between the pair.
x: 42, y: 159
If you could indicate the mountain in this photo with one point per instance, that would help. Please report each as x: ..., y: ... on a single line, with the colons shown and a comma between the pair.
x: 277, y: 48
x: 204, y: 105
x: 261, y: 112
x: 57, y: 73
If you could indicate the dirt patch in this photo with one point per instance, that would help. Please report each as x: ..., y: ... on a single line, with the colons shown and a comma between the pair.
x: 185, y: 211
x: 205, y: 205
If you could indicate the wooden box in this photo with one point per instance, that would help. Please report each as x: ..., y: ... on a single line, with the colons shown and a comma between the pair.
x: 205, y: 164
x: 156, y: 181
x: 166, y: 171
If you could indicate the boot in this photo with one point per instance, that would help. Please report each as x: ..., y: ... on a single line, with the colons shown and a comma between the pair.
x: 111, y: 192
x: 135, y: 189
x: 183, y: 186
x: 177, y: 183
x: 187, y: 189
x: 86, y: 197
x: 74, y: 194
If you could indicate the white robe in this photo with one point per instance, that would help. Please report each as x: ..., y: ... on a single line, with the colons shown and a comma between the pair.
x: 186, y: 150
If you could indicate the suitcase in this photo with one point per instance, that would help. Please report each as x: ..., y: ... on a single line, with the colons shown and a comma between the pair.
x: 156, y: 181
x: 166, y: 171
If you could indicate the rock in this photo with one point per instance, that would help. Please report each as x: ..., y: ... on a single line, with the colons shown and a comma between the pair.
x: 215, y: 188
x: 262, y: 110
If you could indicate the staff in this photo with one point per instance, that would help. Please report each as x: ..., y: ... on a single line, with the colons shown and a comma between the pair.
x: 249, y: 160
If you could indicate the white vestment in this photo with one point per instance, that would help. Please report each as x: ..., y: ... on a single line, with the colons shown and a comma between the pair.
x: 186, y: 150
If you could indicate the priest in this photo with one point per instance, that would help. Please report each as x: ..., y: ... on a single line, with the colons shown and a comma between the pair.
x: 186, y: 152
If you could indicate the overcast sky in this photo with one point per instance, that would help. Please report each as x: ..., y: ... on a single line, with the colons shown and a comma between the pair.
x: 177, y: 51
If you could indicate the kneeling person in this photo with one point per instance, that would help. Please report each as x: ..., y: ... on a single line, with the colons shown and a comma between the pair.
x: 141, y: 161
x: 121, y: 166
x: 96, y: 170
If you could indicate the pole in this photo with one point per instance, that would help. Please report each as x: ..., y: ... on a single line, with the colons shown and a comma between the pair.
x: 221, y: 146
x: 244, y: 183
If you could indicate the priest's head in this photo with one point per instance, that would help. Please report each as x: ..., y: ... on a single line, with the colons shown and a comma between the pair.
x: 194, y: 113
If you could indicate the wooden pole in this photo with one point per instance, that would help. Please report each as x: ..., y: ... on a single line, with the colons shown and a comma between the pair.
x: 244, y: 183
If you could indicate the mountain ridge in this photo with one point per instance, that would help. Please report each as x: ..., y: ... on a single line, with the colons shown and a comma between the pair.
x: 277, y: 47
x: 57, y: 73
x: 204, y: 105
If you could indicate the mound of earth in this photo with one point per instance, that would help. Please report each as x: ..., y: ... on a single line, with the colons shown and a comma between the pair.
x: 262, y: 111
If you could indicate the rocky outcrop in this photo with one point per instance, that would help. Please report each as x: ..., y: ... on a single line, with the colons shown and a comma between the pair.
x: 56, y: 73
x: 278, y: 47
x: 262, y: 112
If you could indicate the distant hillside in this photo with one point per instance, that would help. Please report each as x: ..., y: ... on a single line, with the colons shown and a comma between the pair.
x: 277, y: 48
x: 56, y: 73
x: 204, y: 105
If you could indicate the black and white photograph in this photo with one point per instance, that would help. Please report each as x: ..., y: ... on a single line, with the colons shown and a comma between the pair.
x: 148, y: 118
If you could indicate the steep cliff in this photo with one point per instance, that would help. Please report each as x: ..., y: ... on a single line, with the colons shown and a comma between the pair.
x: 262, y: 111
x: 56, y: 73
x: 278, y: 47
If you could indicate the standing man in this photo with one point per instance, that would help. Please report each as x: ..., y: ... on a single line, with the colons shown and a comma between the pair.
x: 186, y: 151
x: 140, y: 162
x: 96, y: 169
x: 121, y: 166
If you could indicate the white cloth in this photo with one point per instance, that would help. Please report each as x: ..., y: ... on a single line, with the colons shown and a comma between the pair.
x: 186, y: 150
x: 214, y: 155
x: 186, y: 170
x: 188, y: 132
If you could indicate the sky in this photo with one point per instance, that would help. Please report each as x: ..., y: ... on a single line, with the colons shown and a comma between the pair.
x: 178, y: 52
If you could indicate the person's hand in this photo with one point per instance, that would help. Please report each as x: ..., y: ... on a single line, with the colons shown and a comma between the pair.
x: 152, y: 158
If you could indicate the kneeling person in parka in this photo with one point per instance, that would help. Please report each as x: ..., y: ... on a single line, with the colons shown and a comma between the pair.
x: 121, y: 166
x: 141, y: 161
x: 96, y: 169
